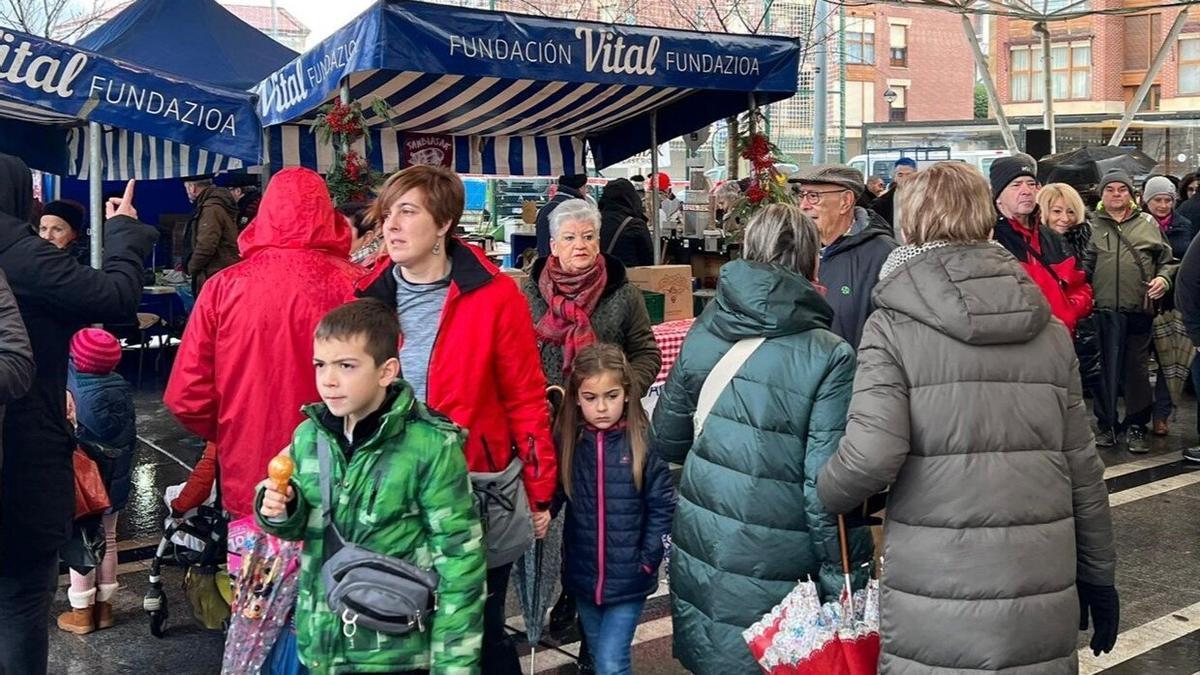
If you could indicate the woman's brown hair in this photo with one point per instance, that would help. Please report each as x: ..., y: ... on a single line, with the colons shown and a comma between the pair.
x: 592, y: 361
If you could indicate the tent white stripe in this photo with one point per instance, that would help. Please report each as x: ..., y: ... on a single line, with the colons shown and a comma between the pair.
x: 469, y: 94
x: 384, y: 92
x: 624, y: 107
x: 517, y: 110
x: 485, y: 108
x: 529, y: 154
x: 155, y: 169
x: 500, y: 147
x: 389, y: 145
x: 122, y: 141
x: 139, y: 164
x: 556, y: 155
x: 73, y: 148
x: 549, y: 113
x: 413, y: 102
x: 291, y: 145
x: 324, y: 157
x: 476, y: 144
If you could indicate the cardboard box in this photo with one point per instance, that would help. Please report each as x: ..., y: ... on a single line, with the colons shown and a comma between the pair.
x: 673, y: 281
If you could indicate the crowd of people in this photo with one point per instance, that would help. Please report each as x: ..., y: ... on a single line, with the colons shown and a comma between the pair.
x: 860, y: 346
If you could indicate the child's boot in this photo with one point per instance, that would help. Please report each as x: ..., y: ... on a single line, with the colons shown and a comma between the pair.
x: 81, y: 619
x: 104, y: 609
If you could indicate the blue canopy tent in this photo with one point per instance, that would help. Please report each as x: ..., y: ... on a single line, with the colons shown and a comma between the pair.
x: 140, y: 124
x: 496, y: 93
x: 198, y: 40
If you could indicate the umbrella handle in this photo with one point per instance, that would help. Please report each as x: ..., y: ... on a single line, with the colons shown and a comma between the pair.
x: 845, y: 546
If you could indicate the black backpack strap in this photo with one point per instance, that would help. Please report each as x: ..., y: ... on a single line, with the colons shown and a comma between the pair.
x: 617, y: 235
x: 333, y: 538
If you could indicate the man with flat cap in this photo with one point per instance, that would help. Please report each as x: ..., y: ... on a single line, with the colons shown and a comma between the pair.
x: 569, y: 187
x: 854, y: 243
x: 210, y: 241
x: 244, y: 188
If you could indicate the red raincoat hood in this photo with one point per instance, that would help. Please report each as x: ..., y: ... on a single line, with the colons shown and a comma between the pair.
x: 296, y: 212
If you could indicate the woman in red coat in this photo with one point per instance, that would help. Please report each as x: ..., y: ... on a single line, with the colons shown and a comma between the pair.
x: 468, y: 350
x: 245, y: 365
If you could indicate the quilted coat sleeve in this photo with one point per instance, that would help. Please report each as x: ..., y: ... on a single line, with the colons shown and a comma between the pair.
x: 877, y: 437
x: 640, y: 346
x: 1096, y: 555
x: 826, y: 426
x: 673, y: 429
x: 522, y: 389
x: 659, y: 496
x: 456, y: 541
x: 192, y: 392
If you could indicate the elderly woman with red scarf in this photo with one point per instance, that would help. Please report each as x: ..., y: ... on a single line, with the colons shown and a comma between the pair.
x: 579, y: 296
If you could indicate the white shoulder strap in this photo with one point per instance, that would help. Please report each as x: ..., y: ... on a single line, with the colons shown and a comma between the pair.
x: 721, y: 375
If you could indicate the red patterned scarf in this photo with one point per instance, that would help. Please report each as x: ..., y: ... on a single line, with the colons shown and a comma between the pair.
x: 571, y: 298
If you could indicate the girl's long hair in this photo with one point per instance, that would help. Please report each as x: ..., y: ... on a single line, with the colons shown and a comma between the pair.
x: 592, y: 361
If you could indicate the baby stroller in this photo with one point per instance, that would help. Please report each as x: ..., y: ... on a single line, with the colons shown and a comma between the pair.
x: 197, y: 542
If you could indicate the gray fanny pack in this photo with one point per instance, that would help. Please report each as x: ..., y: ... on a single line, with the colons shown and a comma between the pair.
x: 504, y: 509
x: 368, y: 589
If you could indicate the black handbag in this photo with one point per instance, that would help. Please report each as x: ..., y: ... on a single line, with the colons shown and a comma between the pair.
x: 364, y: 588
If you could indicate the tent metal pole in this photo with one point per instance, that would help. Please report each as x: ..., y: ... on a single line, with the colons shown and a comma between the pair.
x: 1159, y: 59
x: 981, y: 64
x: 96, y: 194
x: 266, y: 159
x: 1048, y: 84
x: 656, y: 224
x: 820, y: 82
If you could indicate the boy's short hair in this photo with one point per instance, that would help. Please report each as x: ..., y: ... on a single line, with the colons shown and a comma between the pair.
x: 369, y: 318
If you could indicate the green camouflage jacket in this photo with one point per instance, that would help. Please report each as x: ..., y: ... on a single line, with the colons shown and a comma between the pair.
x: 404, y: 493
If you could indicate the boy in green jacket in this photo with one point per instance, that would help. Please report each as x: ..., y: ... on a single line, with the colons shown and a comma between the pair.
x: 401, y: 489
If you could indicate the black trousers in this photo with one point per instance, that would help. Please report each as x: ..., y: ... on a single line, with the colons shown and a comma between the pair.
x: 499, y: 652
x: 1125, y: 340
x: 27, y: 583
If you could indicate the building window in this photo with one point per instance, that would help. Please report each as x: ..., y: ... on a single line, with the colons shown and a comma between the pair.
x: 1059, y: 5
x: 1189, y: 65
x: 899, y: 107
x: 899, y: 36
x: 1150, y: 103
x: 860, y: 41
x: 1141, y: 40
x: 1071, y: 72
x: 860, y: 103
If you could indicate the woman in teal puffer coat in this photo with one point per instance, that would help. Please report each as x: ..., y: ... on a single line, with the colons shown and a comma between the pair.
x: 748, y: 523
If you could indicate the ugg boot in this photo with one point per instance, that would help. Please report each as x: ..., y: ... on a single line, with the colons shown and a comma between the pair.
x: 104, y: 608
x: 81, y: 619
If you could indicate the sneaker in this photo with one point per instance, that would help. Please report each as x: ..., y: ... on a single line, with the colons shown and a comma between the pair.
x: 1192, y: 454
x: 1105, y: 438
x: 1135, y: 440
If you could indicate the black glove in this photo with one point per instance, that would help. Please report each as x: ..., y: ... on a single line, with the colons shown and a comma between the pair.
x: 862, y: 516
x: 1105, y: 608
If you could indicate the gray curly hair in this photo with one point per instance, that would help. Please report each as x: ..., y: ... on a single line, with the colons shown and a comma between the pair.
x: 571, y: 211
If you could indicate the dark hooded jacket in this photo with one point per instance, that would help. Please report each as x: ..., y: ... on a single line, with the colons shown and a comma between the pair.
x: 105, y: 413
x: 212, y: 234
x: 748, y: 524
x: 633, y: 245
x: 56, y: 297
x: 967, y: 403
x: 849, y: 269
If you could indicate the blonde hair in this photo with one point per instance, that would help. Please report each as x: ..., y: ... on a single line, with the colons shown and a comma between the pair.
x: 1070, y: 198
x: 949, y: 201
x: 592, y: 361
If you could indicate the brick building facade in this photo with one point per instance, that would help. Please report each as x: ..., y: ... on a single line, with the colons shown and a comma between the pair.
x: 1099, y: 61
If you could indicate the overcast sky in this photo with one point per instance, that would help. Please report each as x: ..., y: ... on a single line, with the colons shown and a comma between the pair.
x: 321, y: 16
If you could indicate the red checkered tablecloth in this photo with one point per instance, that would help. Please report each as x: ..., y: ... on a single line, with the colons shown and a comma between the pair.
x: 669, y: 337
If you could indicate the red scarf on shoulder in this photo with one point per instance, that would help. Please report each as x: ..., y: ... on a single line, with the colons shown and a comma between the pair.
x: 571, y: 298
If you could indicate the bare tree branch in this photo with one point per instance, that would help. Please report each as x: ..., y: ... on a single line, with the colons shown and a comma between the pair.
x: 55, y: 19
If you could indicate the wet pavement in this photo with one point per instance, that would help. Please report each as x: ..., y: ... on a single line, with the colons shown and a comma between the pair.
x: 1156, y: 517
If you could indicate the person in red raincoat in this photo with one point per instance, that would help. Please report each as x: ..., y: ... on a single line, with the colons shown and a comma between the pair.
x: 1041, y: 251
x: 245, y: 365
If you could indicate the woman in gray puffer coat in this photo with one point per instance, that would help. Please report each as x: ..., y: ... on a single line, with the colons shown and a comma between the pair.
x: 967, y: 403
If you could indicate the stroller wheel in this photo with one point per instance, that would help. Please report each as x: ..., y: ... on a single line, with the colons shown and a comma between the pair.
x: 158, y: 620
x: 155, y: 604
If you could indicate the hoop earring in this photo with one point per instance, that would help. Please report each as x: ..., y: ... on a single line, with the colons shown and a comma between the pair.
x: 437, y: 248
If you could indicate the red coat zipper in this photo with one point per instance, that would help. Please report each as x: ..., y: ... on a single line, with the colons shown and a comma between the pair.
x: 600, y: 515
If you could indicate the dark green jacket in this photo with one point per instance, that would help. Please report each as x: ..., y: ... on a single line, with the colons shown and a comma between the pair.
x: 1118, y: 281
x: 403, y: 493
x: 748, y: 524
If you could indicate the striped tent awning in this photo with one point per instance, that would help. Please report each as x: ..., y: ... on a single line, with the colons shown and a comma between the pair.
x: 156, y: 125
x: 499, y: 93
x: 128, y: 154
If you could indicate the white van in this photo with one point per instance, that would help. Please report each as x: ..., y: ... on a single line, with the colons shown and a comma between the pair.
x: 883, y: 161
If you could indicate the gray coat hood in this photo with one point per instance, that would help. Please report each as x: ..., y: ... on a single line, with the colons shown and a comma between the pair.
x: 974, y: 293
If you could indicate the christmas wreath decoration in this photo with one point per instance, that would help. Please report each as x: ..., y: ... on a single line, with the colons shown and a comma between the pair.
x: 342, y: 125
x: 767, y: 184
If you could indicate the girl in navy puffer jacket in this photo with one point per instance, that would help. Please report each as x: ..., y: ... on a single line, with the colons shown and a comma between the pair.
x: 621, y: 503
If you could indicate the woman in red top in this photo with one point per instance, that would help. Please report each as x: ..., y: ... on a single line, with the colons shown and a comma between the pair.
x: 468, y: 348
